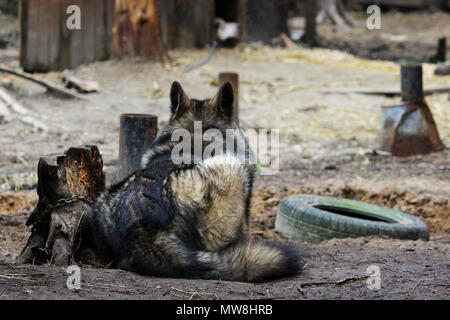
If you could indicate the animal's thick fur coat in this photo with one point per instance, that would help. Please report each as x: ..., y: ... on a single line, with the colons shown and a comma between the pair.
x: 188, y: 219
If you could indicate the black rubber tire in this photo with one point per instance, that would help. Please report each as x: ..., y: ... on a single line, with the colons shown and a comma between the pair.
x: 300, y: 219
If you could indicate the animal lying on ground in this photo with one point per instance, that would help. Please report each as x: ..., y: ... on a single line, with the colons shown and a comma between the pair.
x: 188, y: 219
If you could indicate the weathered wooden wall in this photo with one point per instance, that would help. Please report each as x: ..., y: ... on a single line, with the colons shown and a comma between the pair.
x: 137, y: 29
x: 265, y: 19
x: 46, y: 44
x: 186, y: 23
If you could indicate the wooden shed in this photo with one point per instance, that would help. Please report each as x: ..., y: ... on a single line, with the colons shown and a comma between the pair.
x: 47, y: 44
x: 117, y: 28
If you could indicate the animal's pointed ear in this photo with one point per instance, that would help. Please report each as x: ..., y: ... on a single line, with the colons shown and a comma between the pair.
x: 178, y: 99
x: 224, y: 99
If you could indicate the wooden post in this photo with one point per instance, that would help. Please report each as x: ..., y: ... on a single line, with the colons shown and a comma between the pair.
x: 310, y: 27
x: 64, y: 180
x: 441, y: 54
x: 233, y: 78
x: 137, y: 131
x: 411, y: 83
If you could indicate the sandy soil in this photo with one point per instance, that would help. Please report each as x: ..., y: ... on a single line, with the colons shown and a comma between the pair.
x: 326, y: 147
x: 334, y: 270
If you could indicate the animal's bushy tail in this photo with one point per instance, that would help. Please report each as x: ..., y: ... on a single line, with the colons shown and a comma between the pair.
x: 253, y: 261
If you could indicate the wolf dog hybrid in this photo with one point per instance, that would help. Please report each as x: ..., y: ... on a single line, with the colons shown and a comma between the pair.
x: 188, y: 219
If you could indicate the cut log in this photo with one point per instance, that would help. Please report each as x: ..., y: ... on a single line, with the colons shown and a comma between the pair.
x: 82, y: 86
x: 67, y: 183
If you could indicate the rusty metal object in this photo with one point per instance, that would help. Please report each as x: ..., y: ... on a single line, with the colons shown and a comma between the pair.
x: 137, y: 131
x: 409, y: 128
x: 233, y: 78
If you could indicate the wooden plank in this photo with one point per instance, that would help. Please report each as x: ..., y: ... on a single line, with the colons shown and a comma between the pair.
x: 53, y: 42
x: 186, y: 23
x: 398, y: 3
x: 383, y: 91
x: 47, y: 44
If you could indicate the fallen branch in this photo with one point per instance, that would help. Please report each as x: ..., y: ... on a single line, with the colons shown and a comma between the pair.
x: 51, y: 88
x: 5, y: 114
x: 14, y: 277
x: 22, y: 113
x: 385, y: 92
x: 12, y: 103
x: 191, y: 294
x: 338, y: 282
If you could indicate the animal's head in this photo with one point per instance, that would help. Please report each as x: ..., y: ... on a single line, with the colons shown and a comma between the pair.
x: 214, y: 113
x: 189, y: 114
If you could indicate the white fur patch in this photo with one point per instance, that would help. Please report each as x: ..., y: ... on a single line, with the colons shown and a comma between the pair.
x: 146, y: 157
x: 221, y: 159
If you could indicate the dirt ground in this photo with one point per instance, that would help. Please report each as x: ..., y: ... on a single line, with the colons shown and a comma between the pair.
x: 327, y: 144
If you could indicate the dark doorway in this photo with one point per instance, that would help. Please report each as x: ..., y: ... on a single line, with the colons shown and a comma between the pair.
x: 227, y: 10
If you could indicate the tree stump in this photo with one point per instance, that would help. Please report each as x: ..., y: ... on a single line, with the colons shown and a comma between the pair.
x: 67, y: 184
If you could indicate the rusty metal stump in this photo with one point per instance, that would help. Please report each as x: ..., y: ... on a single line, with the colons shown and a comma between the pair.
x: 409, y: 128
